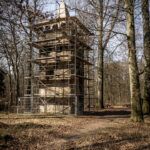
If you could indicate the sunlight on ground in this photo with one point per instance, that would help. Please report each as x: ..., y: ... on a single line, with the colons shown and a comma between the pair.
x: 108, y: 130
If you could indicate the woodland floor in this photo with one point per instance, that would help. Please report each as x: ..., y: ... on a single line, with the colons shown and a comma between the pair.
x: 108, y: 129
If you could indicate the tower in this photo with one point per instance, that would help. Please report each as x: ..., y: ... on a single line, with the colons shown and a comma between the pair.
x: 61, y: 64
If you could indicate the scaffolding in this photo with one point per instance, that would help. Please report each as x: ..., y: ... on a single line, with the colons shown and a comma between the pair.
x: 62, y: 78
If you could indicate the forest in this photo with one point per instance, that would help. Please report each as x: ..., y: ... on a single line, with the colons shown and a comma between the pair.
x: 75, y: 74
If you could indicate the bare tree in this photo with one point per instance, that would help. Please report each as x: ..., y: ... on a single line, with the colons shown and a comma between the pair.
x: 136, y: 111
x: 116, y: 82
x: 11, y: 45
x: 100, y: 80
x: 30, y: 13
x: 146, y: 33
x: 101, y: 17
x: 102, y: 44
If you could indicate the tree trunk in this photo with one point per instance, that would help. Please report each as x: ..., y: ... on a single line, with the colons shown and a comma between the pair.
x: 100, y: 56
x: 136, y: 106
x: 18, y: 86
x: 31, y: 20
x: 10, y: 90
x: 146, y: 33
x: 29, y: 68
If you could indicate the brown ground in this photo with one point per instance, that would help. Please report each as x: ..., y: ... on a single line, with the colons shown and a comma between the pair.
x: 105, y: 130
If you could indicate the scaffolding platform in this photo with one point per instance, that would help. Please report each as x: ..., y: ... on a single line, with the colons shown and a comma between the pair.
x: 60, y: 74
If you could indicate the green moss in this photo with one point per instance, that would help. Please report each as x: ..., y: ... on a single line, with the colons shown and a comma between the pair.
x: 136, y: 118
x: 146, y: 108
x: 97, y: 105
x: 146, y: 99
x: 50, y: 132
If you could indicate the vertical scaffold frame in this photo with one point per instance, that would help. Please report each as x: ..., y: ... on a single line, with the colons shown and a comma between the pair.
x: 63, y: 67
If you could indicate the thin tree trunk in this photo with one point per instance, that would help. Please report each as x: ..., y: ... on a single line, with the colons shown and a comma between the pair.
x: 136, y: 106
x: 102, y: 46
x: 146, y: 33
x: 100, y: 57
x: 29, y: 65
x: 18, y: 86
x: 10, y: 90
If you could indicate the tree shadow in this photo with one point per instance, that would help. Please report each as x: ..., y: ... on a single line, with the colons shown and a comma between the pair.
x: 33, y: 117
x: 23, y: 126
x: 108, y: 112
x: 145, y: 147
x: 113, y: 144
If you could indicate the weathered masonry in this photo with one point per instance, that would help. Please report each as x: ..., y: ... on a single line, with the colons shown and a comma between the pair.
x: 61, y: 80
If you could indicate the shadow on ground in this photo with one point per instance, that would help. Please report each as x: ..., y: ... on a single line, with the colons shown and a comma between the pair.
x: 108, y: 112
x: 31, y: 116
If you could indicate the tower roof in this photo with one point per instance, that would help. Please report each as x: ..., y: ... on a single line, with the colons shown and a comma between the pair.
x: 62, y: 11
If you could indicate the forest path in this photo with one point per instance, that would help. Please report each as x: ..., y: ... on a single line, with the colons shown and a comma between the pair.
x: 98, y: 122
x: 107, y: 129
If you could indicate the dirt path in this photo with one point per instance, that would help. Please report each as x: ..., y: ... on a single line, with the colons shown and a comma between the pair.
x: 90, y: 128
x: 107, y: 129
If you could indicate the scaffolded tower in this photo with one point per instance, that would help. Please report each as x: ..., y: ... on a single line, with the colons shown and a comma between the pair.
x: 62, y: 73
